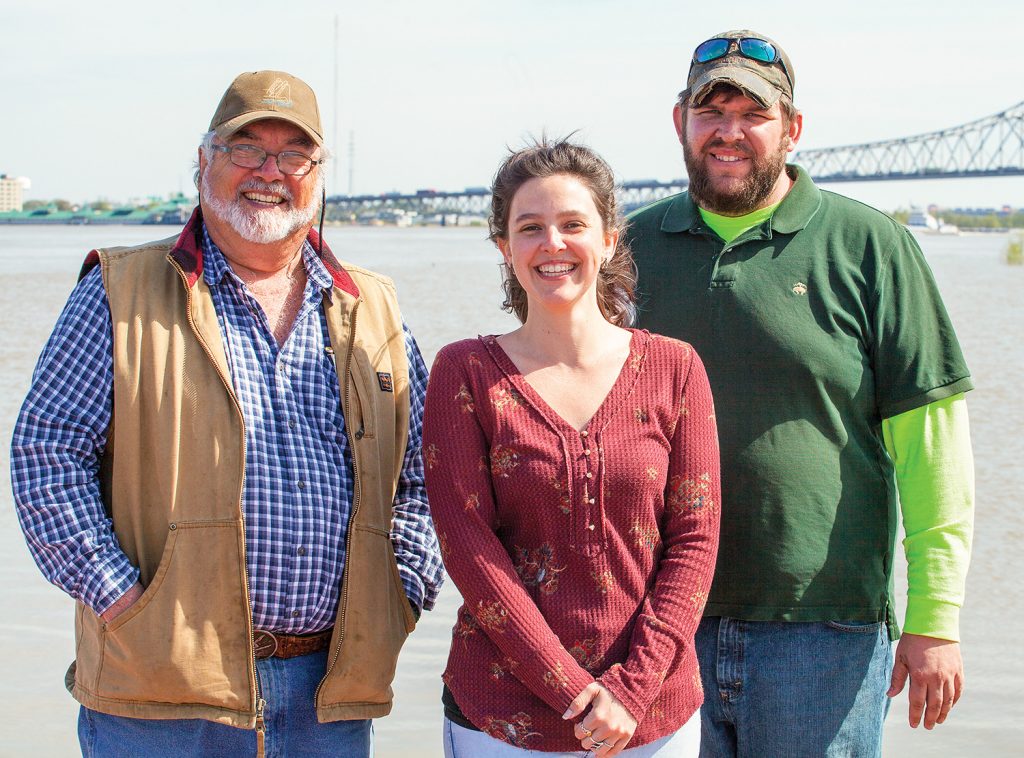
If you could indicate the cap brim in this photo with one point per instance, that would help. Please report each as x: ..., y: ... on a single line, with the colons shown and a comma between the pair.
x: 760, y: 91
x: 231, y: 126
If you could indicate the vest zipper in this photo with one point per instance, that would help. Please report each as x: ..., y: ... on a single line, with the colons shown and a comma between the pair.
x: 346, y: 407
x: 260, y: 725
x: 261, y: 728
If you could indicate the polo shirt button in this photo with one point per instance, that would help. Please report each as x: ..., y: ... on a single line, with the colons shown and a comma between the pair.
x: 587, y: 451
x: 584, y: 433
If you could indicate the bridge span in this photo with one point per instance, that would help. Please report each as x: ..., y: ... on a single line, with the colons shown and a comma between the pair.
x: 990, y: 146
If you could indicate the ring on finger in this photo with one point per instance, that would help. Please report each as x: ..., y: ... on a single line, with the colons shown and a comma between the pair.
x: 586, y: 732
x: 596, y: 744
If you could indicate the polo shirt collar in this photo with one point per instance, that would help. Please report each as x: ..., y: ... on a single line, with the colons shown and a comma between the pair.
x: 793, y: 214
x: 799, y: 205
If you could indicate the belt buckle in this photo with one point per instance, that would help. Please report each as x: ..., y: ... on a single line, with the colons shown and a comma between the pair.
x: 264, y: 644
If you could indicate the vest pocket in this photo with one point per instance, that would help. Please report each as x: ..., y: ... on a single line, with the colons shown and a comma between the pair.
x: 186, y: 640
x: 378, y: 618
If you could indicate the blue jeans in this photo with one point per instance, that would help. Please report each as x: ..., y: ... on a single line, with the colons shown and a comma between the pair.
x: 288, y: 687
x: 460, y: 742
x: 793, y: 689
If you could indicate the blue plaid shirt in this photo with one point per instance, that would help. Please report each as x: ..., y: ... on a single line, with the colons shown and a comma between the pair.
x: 298, y: 485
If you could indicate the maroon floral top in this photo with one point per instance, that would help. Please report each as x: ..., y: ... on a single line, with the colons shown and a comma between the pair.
x: 579, y: 554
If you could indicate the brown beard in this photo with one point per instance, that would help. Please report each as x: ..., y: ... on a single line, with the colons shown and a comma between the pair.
x: 750, y: 196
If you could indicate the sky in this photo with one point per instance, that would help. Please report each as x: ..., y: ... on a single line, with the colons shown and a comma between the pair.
x: 109, y: 100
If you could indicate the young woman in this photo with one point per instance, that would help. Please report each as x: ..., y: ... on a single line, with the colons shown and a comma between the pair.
x: 572, y: 472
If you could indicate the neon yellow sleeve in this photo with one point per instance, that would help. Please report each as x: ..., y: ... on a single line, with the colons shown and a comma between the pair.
x: 931, y: 449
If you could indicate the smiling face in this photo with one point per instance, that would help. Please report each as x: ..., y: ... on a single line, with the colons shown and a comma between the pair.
x: 556, y: 243
x: 735, y: 152
x: 262, y: 204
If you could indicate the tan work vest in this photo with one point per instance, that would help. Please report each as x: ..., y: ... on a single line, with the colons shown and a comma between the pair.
x: 172, y: 478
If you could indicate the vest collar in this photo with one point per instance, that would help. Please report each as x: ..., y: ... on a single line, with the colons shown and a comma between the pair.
x: 187, y: 252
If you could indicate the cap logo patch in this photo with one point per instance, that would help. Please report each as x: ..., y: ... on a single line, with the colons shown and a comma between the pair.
x: 280, y: 94
x: 384, y: 380
x: 799, y: 288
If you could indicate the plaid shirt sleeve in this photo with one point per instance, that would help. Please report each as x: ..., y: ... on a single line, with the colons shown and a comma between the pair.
x: 412, y: 533
x: 58, y: 441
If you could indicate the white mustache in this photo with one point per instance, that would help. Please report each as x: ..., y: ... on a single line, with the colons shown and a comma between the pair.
x: 273, y: 188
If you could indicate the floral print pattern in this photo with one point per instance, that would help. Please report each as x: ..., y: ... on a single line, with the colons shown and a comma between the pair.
x: 465, y: 399
x: 556, y: 678
x: 500, y: 668
x: 647, y: 536
x: 692, y: 494
x: 563, y: 496
x: 516, y: 731
x: 430, y: 455
x: 504, y: 458
x: 536, y: 568
x: 506, y: 400
x: 604, y: 580
x: 586, y: 654
x: 492, y: 615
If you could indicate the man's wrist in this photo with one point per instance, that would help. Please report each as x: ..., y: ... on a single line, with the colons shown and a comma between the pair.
x: 123, y: 603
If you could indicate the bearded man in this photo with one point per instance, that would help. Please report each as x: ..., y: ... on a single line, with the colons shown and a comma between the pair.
x: 219, y: 459
x: 839, y: 393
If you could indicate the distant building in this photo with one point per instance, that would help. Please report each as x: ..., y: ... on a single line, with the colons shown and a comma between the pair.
x: 11, y: 192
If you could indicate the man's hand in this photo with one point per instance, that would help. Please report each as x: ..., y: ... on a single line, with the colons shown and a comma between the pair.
x: 122, y: 604
x: 936, y: 674
x: 608, y: 728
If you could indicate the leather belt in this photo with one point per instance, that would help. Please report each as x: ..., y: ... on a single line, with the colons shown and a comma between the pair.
x: 269, y: 645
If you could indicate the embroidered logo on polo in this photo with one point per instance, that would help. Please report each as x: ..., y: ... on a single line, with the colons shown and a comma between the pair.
x: 799, y: 288
x: 385, y: 382
x: 279, y: 93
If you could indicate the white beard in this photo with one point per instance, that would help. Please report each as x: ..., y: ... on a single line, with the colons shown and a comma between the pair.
x: 259, y: 225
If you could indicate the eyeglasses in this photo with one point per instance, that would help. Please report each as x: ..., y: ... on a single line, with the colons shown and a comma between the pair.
x: 760, y: 50
x: 249, y: 156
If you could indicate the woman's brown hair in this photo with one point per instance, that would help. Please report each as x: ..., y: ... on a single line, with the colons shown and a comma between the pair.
x: 616, y: 281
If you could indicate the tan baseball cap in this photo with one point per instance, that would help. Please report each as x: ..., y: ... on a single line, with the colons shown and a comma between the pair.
x: 762, y: 80
x: 257, y: 95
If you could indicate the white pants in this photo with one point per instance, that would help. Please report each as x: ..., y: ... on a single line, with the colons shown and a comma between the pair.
x: 460, y: 742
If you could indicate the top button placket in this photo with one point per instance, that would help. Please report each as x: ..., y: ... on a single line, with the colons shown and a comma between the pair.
x: 593, y: 533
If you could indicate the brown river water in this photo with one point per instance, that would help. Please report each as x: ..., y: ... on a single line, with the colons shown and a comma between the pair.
x: 448, y: 284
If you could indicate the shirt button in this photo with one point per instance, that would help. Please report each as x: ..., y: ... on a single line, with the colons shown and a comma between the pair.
x: 590, y: 527
x: 301, y: 551
x: 301, y: 484
x: 591, y: 501
x: 295, y: 614
x: 590, y: 475
x: 291, y: 423
x: 587, y: 451
x: 584, y: 433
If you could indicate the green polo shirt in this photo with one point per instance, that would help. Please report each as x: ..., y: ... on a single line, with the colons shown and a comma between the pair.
x: 814, y: 326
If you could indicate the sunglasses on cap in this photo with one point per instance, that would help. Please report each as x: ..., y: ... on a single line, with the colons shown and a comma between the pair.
x: 760, y: 50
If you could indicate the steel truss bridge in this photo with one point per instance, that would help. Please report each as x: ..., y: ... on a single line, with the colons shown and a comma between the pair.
x: 990, y: 146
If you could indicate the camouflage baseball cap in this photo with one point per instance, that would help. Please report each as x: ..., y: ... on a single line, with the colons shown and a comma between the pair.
x: 745, y: 59
x: 257, y: 95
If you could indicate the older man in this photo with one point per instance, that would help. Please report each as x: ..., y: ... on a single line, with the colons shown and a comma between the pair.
x: 219, y: 458
x: 837, y: 379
